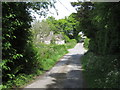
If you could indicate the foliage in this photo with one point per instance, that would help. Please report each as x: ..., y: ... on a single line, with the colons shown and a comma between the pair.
x: 53, y: 40
x: 101, y: 74
x: 100, y: 23
x: 53, y: 25
x: 18, y: 53
x: 68, y: 26
x: 15, y: 32
x: 86, y: 43
x: 22, y: 58
x: 40, y: 30
x: 66, y: 38
x: 103, y: 33
x: 71, y: 43
x: 110, y: 28
x: 47, y: 56
x: 83, y: 15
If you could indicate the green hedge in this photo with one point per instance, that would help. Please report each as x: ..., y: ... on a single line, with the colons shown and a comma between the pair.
x: 101, y: 71
x: 45, y: 58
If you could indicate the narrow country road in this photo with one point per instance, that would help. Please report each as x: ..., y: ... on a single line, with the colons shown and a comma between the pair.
x: 67, y: 73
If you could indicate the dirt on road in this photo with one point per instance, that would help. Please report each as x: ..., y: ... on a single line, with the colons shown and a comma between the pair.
x: 67, y: 73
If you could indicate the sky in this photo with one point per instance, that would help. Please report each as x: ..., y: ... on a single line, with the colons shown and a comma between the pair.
x: 64, y: 9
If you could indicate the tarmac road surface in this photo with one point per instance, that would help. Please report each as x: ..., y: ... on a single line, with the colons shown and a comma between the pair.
x: 67, y: 73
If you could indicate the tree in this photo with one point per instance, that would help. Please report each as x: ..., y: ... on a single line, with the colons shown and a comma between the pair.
x: 83, y: 15
x: 68, y: 26
x: 108, y: 27
x: 75, y: 24
x: 18, y: 52
x: 101, y: 24
x: 97, y: 21
x: 40, y: 30
x: 53, y: 24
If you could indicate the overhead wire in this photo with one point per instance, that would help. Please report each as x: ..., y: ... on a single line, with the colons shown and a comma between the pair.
x: 64, y: 5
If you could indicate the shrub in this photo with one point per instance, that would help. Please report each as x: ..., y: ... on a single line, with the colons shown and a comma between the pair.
x: 86, y: 43
x: 101, y: 71
x: 66, y: 38
x: 71, y: 43
x: 50, y: 54
x: 45, y: 58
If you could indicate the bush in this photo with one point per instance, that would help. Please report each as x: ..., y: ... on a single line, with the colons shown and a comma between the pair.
x: 86, y: 43
x: 101, y: 71
x: 45, y: 58
x: 66, y: 38
x: 49, y: 54
x: 71, y: 43
x: 78, y: 38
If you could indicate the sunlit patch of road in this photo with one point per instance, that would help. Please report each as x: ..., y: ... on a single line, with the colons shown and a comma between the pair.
x: 67, y: 73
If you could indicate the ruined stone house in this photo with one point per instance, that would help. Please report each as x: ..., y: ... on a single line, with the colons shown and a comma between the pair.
x: 58, y: 39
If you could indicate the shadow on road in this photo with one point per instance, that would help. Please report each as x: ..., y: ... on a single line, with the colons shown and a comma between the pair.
x: 70, y: 79
x: 61, y: 80
x: 70, y: 59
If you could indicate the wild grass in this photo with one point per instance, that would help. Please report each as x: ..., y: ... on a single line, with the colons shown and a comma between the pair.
x: 46, y: 57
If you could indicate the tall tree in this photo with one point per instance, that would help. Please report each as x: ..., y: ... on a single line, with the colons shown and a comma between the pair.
x: 83, y: 15
x: 99, y: 22
x: 18, y: 53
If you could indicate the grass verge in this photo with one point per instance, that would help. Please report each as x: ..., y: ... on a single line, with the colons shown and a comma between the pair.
x: 46, y: 58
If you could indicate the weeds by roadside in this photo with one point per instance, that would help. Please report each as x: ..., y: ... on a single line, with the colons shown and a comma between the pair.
x: 46, y: 58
